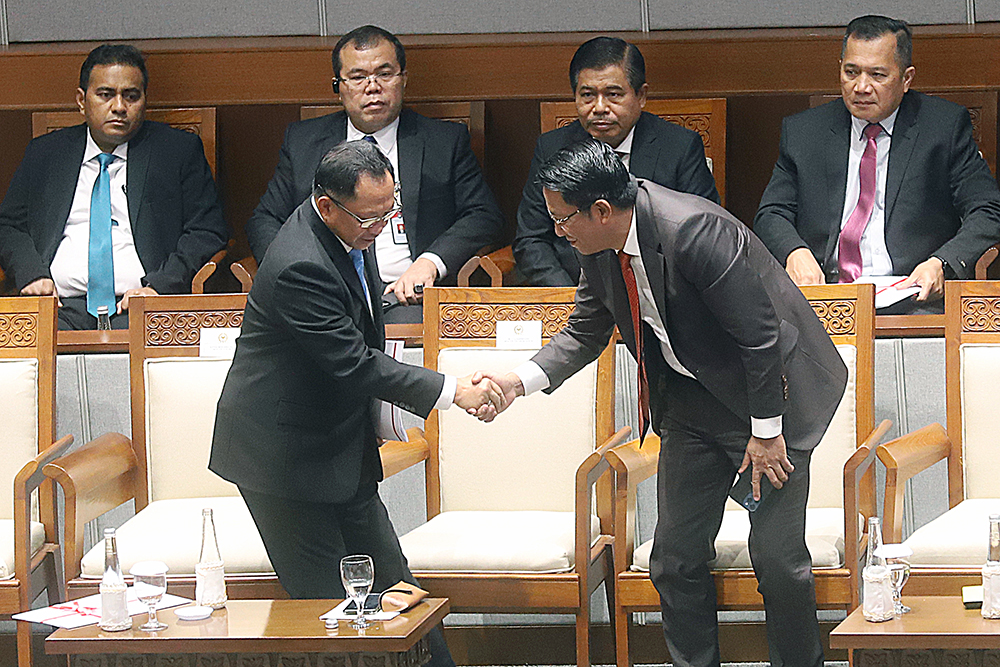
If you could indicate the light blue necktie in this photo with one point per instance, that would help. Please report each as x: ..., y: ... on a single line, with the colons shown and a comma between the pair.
x: 359, y: 265
x: 100, y: 264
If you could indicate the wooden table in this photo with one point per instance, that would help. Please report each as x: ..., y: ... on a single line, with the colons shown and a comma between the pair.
x: 257, y: 632
x: 938, y: 632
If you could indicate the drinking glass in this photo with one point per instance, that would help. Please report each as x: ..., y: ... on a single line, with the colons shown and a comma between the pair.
x: 358, y: 572
x: 899, y: 573
x: 150, y: 583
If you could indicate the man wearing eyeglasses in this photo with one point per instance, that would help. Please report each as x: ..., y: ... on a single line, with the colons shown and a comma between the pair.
x: 447, y: 212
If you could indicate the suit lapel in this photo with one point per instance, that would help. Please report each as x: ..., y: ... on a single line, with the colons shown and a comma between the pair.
x: 645, y: 150
x: 63, y: 175
x: 335, y: 133
x: 137, y: 166
x: 904, y: 137
x: 652, y: 258
x: 837, y: 151
x: 343, y: 262
x: 409, y: 157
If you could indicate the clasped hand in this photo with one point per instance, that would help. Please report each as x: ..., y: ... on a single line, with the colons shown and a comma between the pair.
x: 485, y: 394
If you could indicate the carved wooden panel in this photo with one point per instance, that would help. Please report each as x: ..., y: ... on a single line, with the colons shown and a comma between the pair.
x: 837, y: 315
x: 18, y: 330
x: 478, y: 320
x: 980, y: 314
x: 698, y: 122
x: 926, y: 658
x: 183, y: 328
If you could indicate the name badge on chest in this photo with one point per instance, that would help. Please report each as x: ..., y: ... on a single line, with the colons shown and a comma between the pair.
x: 398, y: 229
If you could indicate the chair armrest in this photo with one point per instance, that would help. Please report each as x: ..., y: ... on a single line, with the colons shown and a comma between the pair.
x: 205, y: 272
x: 245, y: 270
x: 633, y: 462
x: 95, y: 478
x: 589, y: 473
x: 397, y: 456
x: 503, y: 259
x: 484, y: 263
x: 983, y: 263
x: 903, y: 458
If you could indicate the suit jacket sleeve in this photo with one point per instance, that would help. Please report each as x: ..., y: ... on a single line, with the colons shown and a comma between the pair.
x: 478, y: 221
x: 534, y: 244
x: 313, y: 306
x: 776, y: 222
x: 18, y: 255
x: 976, y: 199
x: 275, y: 205
x: 204, y: 230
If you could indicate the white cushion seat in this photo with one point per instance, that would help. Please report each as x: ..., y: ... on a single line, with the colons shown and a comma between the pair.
x: 7, y: 545
x: 824, y: 539
x: 957, y: 538
x: 494, y: 541
x: 170, y: 531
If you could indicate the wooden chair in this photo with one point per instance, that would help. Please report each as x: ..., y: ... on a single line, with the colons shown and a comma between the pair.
x: 511, y: 505
x: 470, y: 114
x: 173, y: 395
x: 29, y: 548
x: 707, y: 117
x: 949, y: 552
x: 200, y: 121
x: 833, y: 531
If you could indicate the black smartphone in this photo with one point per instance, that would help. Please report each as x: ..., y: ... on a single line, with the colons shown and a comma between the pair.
x: 371, y: 604
x: 742, y: 491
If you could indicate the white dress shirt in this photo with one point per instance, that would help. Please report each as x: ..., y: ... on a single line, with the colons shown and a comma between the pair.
x: 391, y: 248
x: 533, y: 378
x: 875, y: 260
x: 69, y: 267
x: 624, y: 149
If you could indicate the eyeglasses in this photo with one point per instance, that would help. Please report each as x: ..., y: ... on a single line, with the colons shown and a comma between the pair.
x: 563, y: 221
x: 368, y: 223
x: 360, y: 81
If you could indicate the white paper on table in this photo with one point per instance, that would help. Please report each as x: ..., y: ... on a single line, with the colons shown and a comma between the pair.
x: 886, y: 293
x: 87, y: 611
x: 341, y: 614
x: 390, y: 417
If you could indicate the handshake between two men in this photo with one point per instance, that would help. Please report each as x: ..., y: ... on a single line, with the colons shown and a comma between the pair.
x: 484, y: 394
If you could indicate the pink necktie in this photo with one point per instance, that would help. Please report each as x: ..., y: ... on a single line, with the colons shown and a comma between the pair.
x: 849, y: 251
x: 632, y: 289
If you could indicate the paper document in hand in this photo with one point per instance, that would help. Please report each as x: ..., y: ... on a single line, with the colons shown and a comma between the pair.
x: 886, y: 292
x: 87, y: 611
x: 390, y: 417
x: 340, y: 613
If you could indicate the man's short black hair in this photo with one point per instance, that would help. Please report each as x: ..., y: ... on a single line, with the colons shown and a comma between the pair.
x: 341, y: 168
x: 602, y: 52
x: 113, y: 54
x: 366, y: 37
x: 867, y: 28
x: 587, y: 171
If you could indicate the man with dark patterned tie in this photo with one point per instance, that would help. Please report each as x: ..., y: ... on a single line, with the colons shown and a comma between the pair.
x: 882, y: 182
x: 112, y: 208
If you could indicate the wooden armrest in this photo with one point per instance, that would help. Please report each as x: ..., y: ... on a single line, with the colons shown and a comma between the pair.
x: 95, y: 478
x: 205, y: 272
x: 903, y: 458
x: 503, y: 259
x: 244, y: 270
x: 593, y: 468
x: 397, y: 456
x: 634, y: 462
x: 484, y: 263
x: 983, y: 263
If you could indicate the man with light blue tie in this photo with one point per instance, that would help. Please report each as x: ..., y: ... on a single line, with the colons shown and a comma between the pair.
x: 112, y: 208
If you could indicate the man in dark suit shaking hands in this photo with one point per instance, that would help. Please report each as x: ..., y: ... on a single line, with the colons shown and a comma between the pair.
x: 885, y: 181
x: 112, y: 208
x: 736, y: 373
x: 295, y: 427
x: 448, y: 212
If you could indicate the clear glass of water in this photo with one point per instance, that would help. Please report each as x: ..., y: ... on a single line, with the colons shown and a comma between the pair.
x: 358, y: 572
x: 899, y: 573
x: 150, y: 583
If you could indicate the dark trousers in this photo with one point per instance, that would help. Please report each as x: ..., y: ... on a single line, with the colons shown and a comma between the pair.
x: 702, y: 446
x: 306, y: 540
x: 73, y: 315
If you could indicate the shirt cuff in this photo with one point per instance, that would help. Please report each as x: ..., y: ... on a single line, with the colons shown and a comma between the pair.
x: 447, y: 397
x: 765, y: 429
x: 442, y: 269
x: 532, y: 377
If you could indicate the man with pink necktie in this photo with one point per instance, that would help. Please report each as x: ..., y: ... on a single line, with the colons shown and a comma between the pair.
x: 883, y: 182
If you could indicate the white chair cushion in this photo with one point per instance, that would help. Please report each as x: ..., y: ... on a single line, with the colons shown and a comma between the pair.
x: 824, y: 539
x: 527, y: 458
x: 522, y: 541
x: 19, y: 416
x: 957, y: 538
x: 181, y: 396
x: 826, y: 480
x: 7, y: 545
x: 170, y: 531
x: 980, y: 365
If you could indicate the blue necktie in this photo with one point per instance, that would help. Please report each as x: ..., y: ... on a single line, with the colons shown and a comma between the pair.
x: 100, y: 264
x: 359, y: 265
x: 370, y: 139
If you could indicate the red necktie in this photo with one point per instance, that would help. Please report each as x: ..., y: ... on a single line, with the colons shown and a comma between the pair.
x: 633, y: 303
x: 849, y: 251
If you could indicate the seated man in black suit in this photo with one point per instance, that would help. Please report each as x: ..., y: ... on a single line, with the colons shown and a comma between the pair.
x: 882, y: 182
x: 113, y: 208
x: 448, y: 212
x: 608, y: 77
